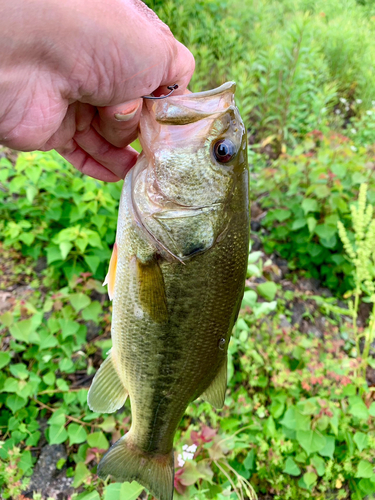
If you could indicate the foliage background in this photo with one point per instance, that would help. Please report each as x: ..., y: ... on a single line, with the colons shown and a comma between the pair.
x: 299, y: 419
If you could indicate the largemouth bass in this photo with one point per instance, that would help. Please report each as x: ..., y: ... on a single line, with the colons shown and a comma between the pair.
x: 176, y: 277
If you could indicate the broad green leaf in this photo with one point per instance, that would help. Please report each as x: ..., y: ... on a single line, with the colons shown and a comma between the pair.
x: 4, y: 359
x: 249, y: 298
x: 68, y: 327
x: 49, y: 378
x: 319, y: 464
x: 311, y: 441
x: 57, y: 434
x: 19, y: 370
x: 76, y: 433
x: 10, y: 385
x: 291, y: 467
x: 130, y: 491
x: 249, y: 461
x: 310, y: 478
x: 80, y: 475
x: 325, y: 231
x: 329, y: 448
x: 190, y: 474
x: 361, y: 440
x: 7, y: 319
x: 93, y: 262
x: 358, y: 408
x: 92, y: 311
x: 53, y: 254
x: 27, y: 238
x: 65, y: 247
x: 371, y: 410
x: 310, y: 205
x: 21, y: 330
x: 98, y: 440
x: 79, y: 300
x: 267, y: 290
x: 365, y: 469
x: 298, y: 223
x: 15, y: 402
x: 26, y: 461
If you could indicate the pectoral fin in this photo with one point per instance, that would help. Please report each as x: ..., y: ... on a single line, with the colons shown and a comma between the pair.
x: 111, y: 275
x: 107, y: 393
x: 151, y: 290
x: 215, y: 392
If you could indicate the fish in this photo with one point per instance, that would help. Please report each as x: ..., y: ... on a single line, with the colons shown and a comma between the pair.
x: 176, y: 278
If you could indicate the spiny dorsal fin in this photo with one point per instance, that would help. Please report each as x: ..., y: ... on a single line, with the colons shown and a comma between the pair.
x: 215, y: 392
x: 111, y: 275
x: 107, y: 393
x: 151, y: 290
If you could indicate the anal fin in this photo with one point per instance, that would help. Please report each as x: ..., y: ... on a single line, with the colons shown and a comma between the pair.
x: 215, y: 392
x: 107, y: 393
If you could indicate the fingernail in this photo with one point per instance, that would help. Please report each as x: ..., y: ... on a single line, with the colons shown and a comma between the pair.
x: 126, y: 115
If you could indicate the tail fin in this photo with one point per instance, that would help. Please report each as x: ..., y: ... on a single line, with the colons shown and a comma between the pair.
x: 125, y: 462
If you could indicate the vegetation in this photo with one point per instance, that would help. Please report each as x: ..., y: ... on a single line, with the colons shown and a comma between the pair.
x: 299, y: 418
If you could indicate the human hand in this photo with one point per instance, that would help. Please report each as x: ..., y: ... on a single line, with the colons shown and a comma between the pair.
x: 67, y: 68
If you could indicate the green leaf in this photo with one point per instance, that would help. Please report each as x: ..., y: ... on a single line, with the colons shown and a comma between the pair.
x: 361, y: 440
x: 311, y: 224
x: 291, y: 467
x: 21, y: 330
x: 53, y: 254
x: 68, y: 327
x: 267, y: 290
x: 27, y: 238
x: 322, y: 191
x: 123, y: 491
x: 371, y: 410
x: 4, y: 359
x: 365, y: 469
x: 298, y: 223
x: 7, y: 319
x: 311, y: 441
x: 93, y: 262
x: 130, y: 491
x: 319, y: 464
x: 310, y: 205
x: 57, y: 434
x: 80, y: 475
x: 19, y: 370
x: 79, y: 300
x: 15, y: 402
x: 77, y: 434
x: 65, y: 247
x: 249, y: 298
x: 329, y: 448
x: 325, y: 231
x: 92, y: 495
x: 281, y: 214
x: 98, y: 440
x: 92, y: 311
x: 310, y: 478
x: 190, y: 474
x: 249, y: 461
x: 358, y: 408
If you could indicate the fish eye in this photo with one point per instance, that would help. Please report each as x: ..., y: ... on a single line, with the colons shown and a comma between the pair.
x: 224, y: 150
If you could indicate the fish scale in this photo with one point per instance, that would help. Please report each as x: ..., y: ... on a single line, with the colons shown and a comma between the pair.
x: 176, y: 276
